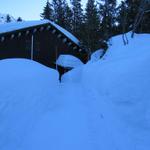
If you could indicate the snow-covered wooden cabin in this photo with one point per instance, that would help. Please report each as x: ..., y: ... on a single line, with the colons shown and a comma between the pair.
x: 42, y: 41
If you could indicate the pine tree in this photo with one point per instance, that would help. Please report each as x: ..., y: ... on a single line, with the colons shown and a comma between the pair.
x: 77, y: 17
x: 47, y: 11
x: 68, y: 19
x: 19, y: 19
x: 131, y: 12
x: 134, y: 16
x: 92, y: 25
x: 140, y: 19
x: 59, y: 11
x: 122, y: 27
x: 145, y: 23
x: 8, y: 18
x: 108, y: 18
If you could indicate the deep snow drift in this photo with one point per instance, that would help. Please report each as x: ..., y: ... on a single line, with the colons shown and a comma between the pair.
x: 27, y: 90
x: 99, y: 106
x: 121, y: 83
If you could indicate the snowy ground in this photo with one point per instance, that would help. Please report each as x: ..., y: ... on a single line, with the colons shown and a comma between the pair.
x: 99, y: 106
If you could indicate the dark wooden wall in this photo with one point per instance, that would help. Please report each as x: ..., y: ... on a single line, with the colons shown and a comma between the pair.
x: 47, y: 48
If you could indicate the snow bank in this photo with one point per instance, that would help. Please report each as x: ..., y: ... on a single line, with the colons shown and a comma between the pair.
x: 96, y: 55
x: 137, y: 46
x: 120, y: 83
x: 27, y: 91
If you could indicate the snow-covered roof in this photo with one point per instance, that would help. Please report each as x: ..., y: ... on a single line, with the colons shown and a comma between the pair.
x: 12, y: 26
x: 68, y: 34
x: 68, y: 61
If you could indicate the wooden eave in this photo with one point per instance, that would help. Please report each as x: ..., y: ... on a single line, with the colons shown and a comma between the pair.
x: 53, y: 29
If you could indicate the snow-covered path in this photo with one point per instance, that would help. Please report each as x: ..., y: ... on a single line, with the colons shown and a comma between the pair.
x: 78, y: 123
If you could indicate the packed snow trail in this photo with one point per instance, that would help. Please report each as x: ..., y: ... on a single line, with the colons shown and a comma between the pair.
x: 74, y: 125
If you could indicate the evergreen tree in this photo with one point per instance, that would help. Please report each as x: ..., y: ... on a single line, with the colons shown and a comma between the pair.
x: 59, y: 11
x: 47, y: 11
x: 68, y: 19
x: 8, y: 18
x: 145, y: 23
x: 92, y: 25
x: 108, y: 18
x: 77, y: 17
x: 134, y: 15
x: 122, y: 26
x: 132, y: 10
x: 19, y: 19
x: 141, y: 21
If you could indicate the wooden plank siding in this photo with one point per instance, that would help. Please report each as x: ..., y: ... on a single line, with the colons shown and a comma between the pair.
x: 49, y: 43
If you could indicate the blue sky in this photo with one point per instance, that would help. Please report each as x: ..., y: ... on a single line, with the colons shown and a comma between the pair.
x: 27, y: 9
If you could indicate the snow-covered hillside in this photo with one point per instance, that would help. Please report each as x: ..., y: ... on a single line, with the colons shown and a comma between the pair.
x: 120, y: 83
x: 3, y: 18
x: 102, y: 105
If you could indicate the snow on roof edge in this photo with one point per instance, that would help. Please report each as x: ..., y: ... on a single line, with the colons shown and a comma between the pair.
x: 13, y: 26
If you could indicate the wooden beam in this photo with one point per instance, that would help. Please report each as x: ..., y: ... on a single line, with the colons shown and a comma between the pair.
x: 53, y: 31
x: 27, y: 32
x: 48, y: 27
x: 64, y: 40
x: 19, y: 34
x: 75, y: 47
x: 2, y: 39
x: 59, y: 35
x: 69, y: 44
x: 12, y: 36
x: 35, y: 30
x: 42, y: 28
x: 32, y: 46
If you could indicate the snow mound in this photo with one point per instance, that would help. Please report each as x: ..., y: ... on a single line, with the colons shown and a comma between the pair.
x: 27, y: 90
x: 120, y: 82
x: 68, y: 61
x: 24, y: 68
x: 96, y: 55
x: 136, y: 47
